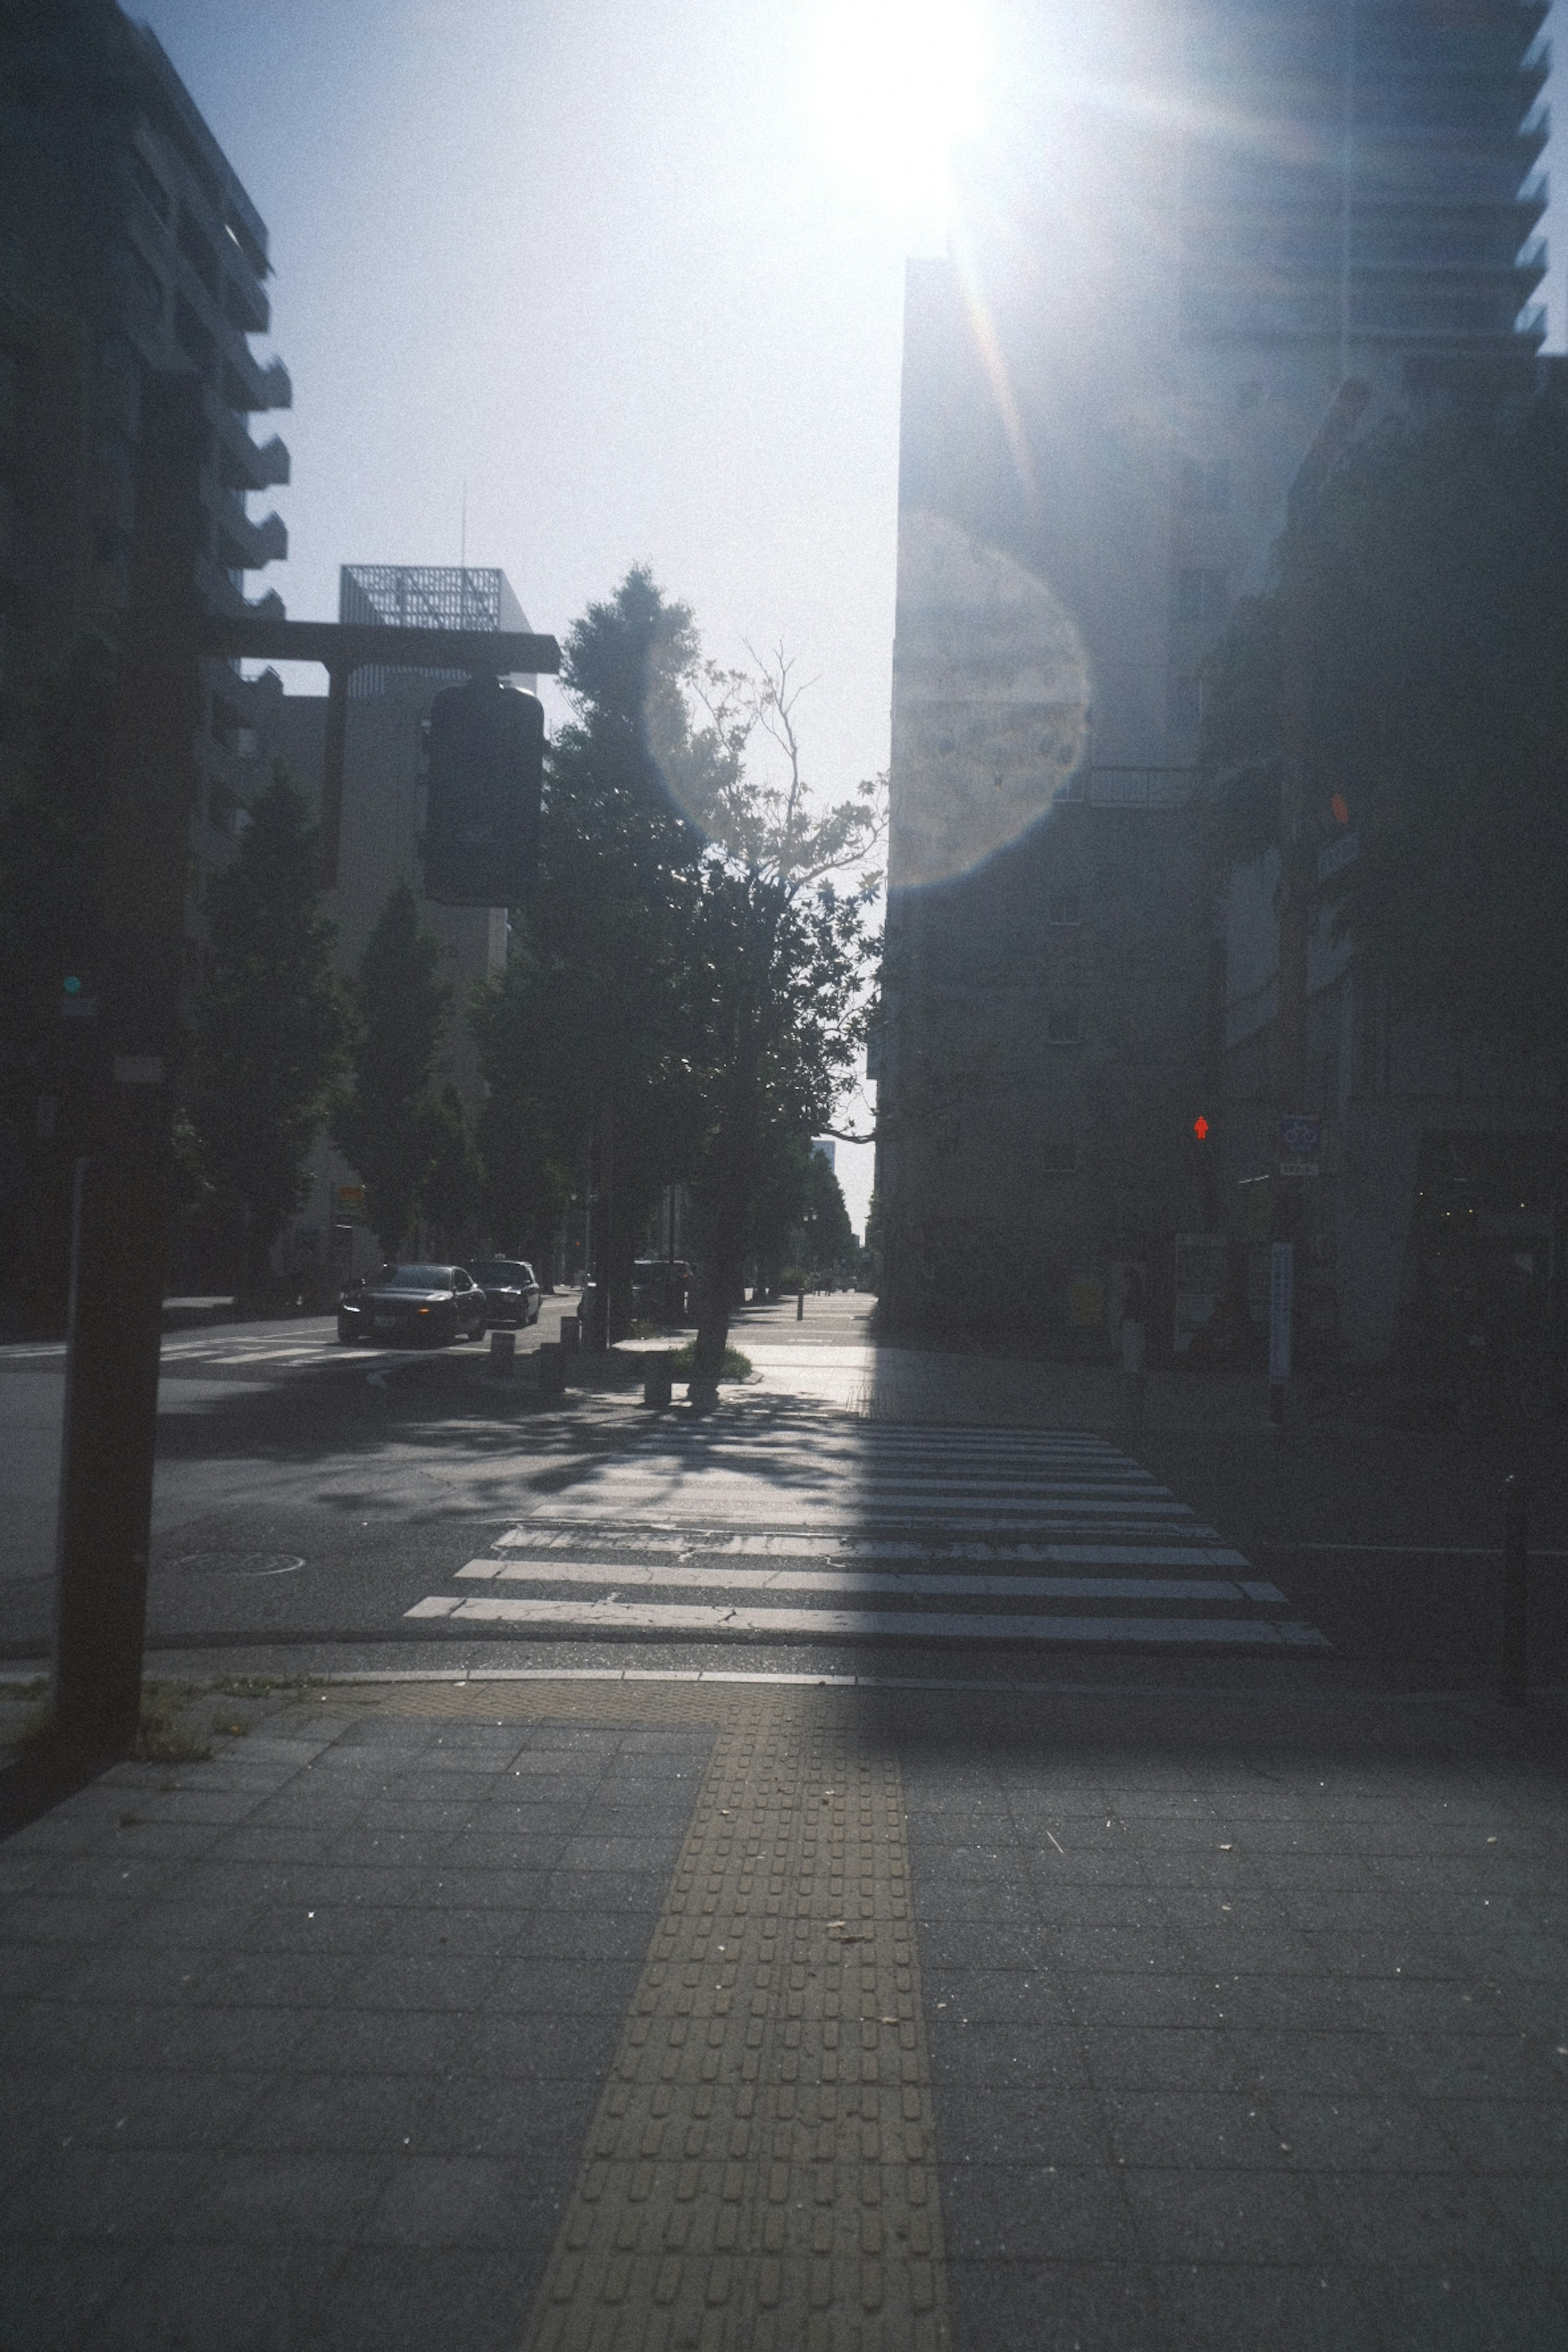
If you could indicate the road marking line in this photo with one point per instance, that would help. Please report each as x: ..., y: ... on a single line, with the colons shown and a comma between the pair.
x: 849, y: 1581
x: 697, y: 1541
x: 849, y: 1624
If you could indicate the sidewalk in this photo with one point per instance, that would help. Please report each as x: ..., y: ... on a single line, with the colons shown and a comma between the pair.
x: 569, y: 2013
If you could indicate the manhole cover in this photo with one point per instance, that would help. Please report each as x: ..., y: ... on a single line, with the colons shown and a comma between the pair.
x: 240, y: 1563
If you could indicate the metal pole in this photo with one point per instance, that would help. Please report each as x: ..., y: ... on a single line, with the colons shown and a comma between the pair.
x: 122, y: 1220
x: 1515, y: 1643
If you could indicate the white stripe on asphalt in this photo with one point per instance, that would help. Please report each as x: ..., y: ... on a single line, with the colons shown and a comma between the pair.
x: 874, y: 1583
x: 664, y: 1617
x: 696, y: 1541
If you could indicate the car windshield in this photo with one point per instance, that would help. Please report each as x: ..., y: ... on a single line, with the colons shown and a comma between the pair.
x: 502, y: 1270
x: 417, y: 1277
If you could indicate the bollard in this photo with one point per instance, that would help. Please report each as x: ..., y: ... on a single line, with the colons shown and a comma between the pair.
x: 657, y: 1378
x: 571, y: 1334
x: 503, y: 1355
x: 800, y: 1306
x: 551, y: 1361
x: 1515, y: 1663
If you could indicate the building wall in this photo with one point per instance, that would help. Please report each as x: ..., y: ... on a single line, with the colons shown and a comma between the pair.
x: 1194, y: 224
x: 128, y: 250
x: 381, y: 821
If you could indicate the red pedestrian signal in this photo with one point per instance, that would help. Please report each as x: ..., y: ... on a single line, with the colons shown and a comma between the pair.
x: 486, y: 767
x: 1200, y: 1126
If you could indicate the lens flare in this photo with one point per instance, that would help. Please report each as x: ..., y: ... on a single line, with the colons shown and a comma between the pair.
x: 991, y: 702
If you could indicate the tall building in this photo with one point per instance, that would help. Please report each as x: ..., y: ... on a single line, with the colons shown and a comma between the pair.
x: 382, y: 824
x: 129, y: 249
x: 1187, y: 227
x: 129, y: 252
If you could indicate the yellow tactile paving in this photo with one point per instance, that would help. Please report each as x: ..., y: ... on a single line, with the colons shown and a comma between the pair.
x: 760, y: 2172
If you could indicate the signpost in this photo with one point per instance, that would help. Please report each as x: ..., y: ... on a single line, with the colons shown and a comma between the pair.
x: 1301, y: 1144
x: 1281, y: 1299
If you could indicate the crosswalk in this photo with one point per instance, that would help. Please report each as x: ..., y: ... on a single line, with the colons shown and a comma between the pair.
x: 271, y: 1347
x: 818, y: 1529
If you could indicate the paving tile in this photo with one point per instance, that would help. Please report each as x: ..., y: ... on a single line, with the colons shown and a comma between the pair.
x: 1177, y: 2058
x: 232, y: 2298
x: 994, y: 1997
x: 1445, y: 2310
x: 335, y: 2113
x: 1378, y: 2219
x: 1197, y: 2129
x: 1224, y: 2216
x: 1014, y: 2213
x: 1233, y: 2307
x: 51, y: 2294
x: 1006, y: 2057
x: 299, y: 2198
x: 355, y: 2042
x: 469, y: 2200
x: 132, y: 2108
x: 1340, y: 2133
x: 97, y: 2192
x: 985, y: 2127
x: 1501, y: 2135
x: 1052, y: 2306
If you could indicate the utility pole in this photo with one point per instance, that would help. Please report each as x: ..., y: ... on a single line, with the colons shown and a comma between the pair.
x: 1298, y: 892
x: 120, y: 1197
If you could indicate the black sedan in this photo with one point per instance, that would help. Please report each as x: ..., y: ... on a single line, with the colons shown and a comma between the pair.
x: 414, y: 1307
x: 512, y: 1288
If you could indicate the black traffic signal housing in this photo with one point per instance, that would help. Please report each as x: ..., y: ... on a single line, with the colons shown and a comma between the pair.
x: 486, y: 767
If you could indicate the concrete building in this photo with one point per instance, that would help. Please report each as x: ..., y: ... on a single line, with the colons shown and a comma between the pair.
x: 383, y: 822
x: 129, y: 252
x: 130, y: 248
x: 1191, y: 226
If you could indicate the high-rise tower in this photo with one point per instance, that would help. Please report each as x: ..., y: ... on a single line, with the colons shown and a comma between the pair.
x: 1185, y: 229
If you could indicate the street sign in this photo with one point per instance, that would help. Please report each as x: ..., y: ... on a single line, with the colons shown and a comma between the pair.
x: 351, y: 1203
x: 1301, y: 1144
x: 1281, y: 1289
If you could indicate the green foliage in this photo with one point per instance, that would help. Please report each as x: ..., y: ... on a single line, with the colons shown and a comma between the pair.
x: 1425, y: 594
x: 827, y: 1236
x: 400, y: 1008
x: 270, y: 1024
x: 449, y: 1190
x: 683, y: 993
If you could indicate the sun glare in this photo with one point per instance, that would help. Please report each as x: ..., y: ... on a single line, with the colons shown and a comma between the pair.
x: 896, y: 84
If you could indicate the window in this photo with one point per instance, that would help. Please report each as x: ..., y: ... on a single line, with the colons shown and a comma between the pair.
x: 1064, y: 907
x: 1204, y: 485
x: 1186, y: 705
x: 150, y: 185
x: 1200, y: 598
x: 1063, y: 1025
x: 200, y: 252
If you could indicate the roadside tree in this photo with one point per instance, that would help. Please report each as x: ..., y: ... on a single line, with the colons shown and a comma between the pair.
x: 269, y: 1023
x: 382, y: 1124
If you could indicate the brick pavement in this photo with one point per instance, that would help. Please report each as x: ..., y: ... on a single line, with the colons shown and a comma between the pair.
x: 1238, y: 2022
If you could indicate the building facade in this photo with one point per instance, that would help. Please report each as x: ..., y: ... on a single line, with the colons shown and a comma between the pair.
x: 1189, y: 229
x: 382, y: 825
x: 129, y: 252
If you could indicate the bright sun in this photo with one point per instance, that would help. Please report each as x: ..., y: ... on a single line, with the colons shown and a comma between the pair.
x: 896, y: 83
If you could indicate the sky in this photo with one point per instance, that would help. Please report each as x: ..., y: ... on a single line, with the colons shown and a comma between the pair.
x: 598, y: 264
x: 624, y: 276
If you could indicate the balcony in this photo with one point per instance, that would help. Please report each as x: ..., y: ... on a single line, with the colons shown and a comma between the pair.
x: 247, y: 546
x: 1160, y: 788
x: 248, y: 387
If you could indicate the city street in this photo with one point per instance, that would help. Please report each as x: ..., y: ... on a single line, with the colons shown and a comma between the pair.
x: 852, y: 1509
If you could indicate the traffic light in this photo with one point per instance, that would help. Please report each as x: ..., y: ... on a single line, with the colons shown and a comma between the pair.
x: 486, y: 765
x: 1200, y: 1126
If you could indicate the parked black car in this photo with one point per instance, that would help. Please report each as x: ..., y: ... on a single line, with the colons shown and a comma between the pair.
x: 511, y: 1286
x: 414, y: 1307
